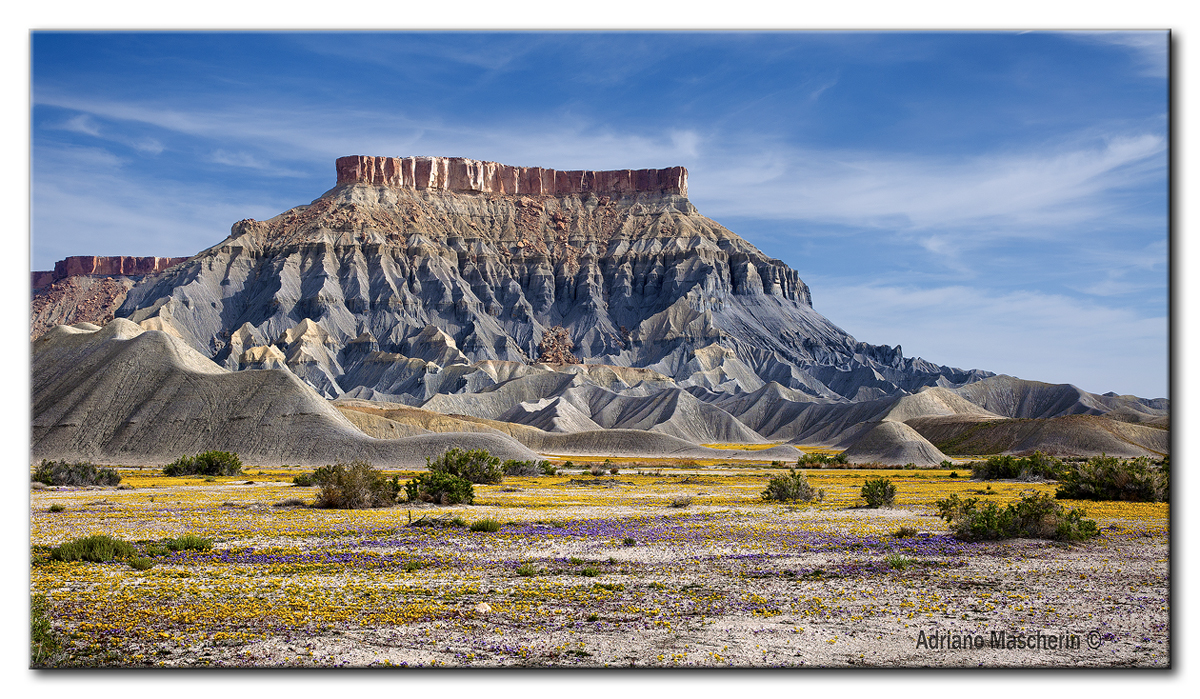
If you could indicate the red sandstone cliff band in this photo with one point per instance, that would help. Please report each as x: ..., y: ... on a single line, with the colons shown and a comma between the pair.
x: 466, y: 175
x: 115, y: 266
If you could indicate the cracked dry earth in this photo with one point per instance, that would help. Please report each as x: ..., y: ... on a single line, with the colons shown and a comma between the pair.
x: 600, y: 576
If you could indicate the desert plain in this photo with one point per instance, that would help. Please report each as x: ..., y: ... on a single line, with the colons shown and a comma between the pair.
x: 662, y: 564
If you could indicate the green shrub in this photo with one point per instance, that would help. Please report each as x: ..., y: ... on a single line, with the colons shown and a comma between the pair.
x: 189, y: 542
x: 411, y: 566
x: 1034, y: 516
x: 815, y: 459
x: 513, y: 467
x: 56, y: 508
x: 527, y: 570
x: 589, y: 571
x: 354, y: 486
x: 793, y: 487
x: 43, y: 644
x: 485, y: 525
x: 682, y: 501
x: 78, y: 473
x: 209, y: 463
x: 879, y: 492
x: 953, y: 474
x: 141, y: 563
x: 946, y: 463
x: 98, y: 548
x: 476, y: 465
x: 904, y: 533
x: 896, y: 561
x: 304, y: 480
x: 548, y: 469
x: 1110, y: 478
x: 1006, y: 466
x: 629, y: 541
x: 441, y: 488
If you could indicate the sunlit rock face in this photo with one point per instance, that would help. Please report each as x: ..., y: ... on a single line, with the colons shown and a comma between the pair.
x: 453, y: 262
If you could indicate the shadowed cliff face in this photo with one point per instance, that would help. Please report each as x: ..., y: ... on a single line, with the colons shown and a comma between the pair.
x: 399, y: 260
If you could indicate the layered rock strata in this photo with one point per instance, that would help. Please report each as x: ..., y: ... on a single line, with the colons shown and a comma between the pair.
x: 481, y: 176
x: 100, y: 266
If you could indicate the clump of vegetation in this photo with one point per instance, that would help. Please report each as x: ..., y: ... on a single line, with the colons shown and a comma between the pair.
x: 905, y: 533
x: 897, y: 561
x: 953, y: 474
x: 56, y: 508
x: 77, y: 473
x: 1109, y: 478
x: 412, y: 566
x: 304, y: 480
x: 589, y: 571
x: 556, y: 346
x: 596, y: 470
x: 354, y: 486
x: 141, y: 563
x: 1039, y: 466
x: 98, y: 548
x: 629, y: 541
x: 485, y: 525
x: 476, y: 465
x: 946, y: 463
x: 441, y: 488
x: 290, y: 502
x: 793, y: 487
x: 814, y: 459
x: 209, y: 463
x: 1034, y: 516
x: 879, y: 492
x: 43, y: 644
x: 681, y: 501
x: 614, y: 470
x: 514, y: 467
x: 527, y: 570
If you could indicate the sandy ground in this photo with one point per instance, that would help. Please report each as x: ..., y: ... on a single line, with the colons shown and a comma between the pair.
x: 726, y: 581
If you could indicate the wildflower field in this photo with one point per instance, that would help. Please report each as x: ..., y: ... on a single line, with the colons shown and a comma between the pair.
x: 680, y: 566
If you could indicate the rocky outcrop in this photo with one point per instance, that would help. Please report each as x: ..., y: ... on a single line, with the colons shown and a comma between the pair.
x: 455, y: 261
x: 481, y: 176
x: 87, y: 289
x: 76, y: 300
x: 99, y: 266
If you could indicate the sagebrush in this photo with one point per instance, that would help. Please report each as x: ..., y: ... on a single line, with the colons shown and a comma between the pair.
x: 1109, y: 478
x: 792, y: 487
x: 1037, y: 466
x: 1034, y: 516
x: 74, y: 473
x: 879, y: 492
x: 354, y: 486
x: 209, y: 463
x: 440, y: 488
x: 476, y: 465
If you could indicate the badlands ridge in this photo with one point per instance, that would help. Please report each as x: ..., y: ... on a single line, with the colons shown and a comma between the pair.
x: 406, y: 310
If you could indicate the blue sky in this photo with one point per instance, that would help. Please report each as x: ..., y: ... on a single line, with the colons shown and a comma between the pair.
x: 984, y: 199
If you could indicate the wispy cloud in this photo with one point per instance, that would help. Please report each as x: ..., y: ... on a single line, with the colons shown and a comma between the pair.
x: 1147, y: 49
x: 1030, y: 334
x: 1064, y: 186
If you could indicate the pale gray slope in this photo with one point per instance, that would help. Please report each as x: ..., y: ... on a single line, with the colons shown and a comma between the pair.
x: 551, y: 415
x: 674, y: 412
x: 1066, y: 435
x: 1013, y: 397
x: 123, y: 395
x: 891, y: 442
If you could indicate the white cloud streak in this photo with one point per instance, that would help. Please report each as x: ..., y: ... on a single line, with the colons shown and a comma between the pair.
x: 1033, y: 335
